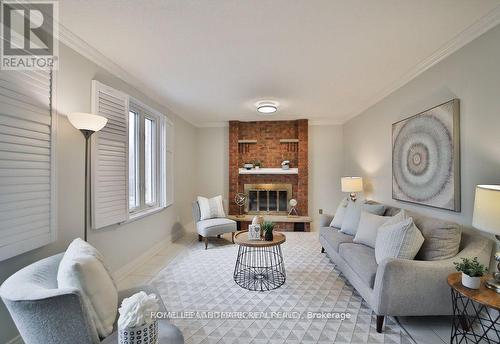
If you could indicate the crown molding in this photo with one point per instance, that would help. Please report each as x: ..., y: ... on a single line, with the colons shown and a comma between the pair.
x: 324, y: 122
x: 483, y: 25
x: 225, y: 124
x: 73, y: 41
x: 218, y: 124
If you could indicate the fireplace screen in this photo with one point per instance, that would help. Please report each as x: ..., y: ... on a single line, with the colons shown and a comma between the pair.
x: 268, y: 198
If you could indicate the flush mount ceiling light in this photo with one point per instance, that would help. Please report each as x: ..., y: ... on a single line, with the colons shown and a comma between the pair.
x: 267, y: 107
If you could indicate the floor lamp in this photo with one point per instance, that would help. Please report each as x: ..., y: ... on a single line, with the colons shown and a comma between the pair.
x: 88, y: 124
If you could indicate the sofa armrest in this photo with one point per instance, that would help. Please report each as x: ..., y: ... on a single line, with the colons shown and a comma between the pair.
x: 415, y: 287
x: 325, y: 220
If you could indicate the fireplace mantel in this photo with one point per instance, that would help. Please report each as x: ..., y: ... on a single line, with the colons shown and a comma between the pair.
x: 265, y: 170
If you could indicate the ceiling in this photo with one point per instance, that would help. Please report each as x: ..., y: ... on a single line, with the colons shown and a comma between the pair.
x: 325, y: 60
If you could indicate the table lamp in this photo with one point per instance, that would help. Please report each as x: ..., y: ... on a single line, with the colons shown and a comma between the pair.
x: 352, y: 185
x: 487, y: 218
x: 88, y: 124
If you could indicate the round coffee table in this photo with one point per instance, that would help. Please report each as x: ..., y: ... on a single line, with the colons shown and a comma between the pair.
x: 259, y: 265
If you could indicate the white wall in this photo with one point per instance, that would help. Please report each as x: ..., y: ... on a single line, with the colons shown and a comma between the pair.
x: 472, y: 74
x: 212, y: 161
x: 325, y: 166
x: 119, y: 244
x: 325, y: 169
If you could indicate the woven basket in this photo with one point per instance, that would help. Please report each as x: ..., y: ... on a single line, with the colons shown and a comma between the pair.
x: 147, y: 334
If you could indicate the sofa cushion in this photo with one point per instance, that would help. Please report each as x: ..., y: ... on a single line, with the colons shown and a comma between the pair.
x: 442, y: 238
x: 361, y: 259
x: 401, y: 240
x: 334, y: 237
x: 353, y: 213
x: 368, y: 227
x: 339, y: 214
x: 213, y: 227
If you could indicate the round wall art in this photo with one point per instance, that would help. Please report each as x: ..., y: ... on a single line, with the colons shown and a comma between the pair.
x: 426, y: 158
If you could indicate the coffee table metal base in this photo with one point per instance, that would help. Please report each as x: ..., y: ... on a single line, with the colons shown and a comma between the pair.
x: 260, y: 268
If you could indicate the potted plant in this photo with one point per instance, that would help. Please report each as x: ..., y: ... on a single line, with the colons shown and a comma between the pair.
x: 268, y: 227
x: 257, y: 164
x: 472, y: 270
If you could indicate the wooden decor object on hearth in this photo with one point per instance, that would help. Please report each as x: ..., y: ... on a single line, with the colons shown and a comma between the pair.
x: 244, y: 145
x: 292, y: 145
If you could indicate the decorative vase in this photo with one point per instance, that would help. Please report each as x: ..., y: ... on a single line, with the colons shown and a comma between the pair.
x: 268, y: 236
x: 146, y: 334
x: 471, y: 282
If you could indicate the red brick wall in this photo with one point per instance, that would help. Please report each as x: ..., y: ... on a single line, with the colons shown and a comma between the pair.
x: 233, y: 165
x: 271, y: 153
x: 268, y: 148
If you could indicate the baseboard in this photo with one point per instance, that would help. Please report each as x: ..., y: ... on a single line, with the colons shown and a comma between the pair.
x: 16, y: 340
x: 128, y: 268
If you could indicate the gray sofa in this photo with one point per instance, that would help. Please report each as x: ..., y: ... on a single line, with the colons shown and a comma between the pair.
x: 44, y: 313
x: 398, y: 287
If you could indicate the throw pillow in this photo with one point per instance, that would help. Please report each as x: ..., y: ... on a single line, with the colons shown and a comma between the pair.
x: 401, y: 240
x: 211, y: 207
x: 82, y: 268
x: 339, y: 214
x: 442, y: 238
x: 399, y: 217
x: 368, y: 227
x: 353, y: 214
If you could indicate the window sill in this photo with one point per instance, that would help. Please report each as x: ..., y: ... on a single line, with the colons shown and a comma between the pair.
x: 141, y: 214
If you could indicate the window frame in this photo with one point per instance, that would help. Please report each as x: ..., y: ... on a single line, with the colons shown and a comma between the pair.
x: 144, y: 112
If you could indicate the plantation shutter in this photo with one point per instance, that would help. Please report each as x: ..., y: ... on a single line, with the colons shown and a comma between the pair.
x: 27, y: 146
x: 169, y: 192
x: 110, y: 157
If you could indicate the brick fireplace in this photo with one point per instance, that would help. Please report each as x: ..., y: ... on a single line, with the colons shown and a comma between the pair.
x: 269, y: 142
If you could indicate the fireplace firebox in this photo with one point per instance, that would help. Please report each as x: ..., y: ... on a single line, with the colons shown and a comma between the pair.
x: 268, y: 198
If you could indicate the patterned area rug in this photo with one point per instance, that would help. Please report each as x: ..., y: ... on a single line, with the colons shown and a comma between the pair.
x: 209, y: 307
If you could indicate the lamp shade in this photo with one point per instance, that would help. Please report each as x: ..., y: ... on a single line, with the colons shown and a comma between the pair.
x: 352, y: 184
x: 487, y: 209
x: 87, y: 121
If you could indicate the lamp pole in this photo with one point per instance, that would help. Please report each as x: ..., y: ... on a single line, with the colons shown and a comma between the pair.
x: 87, y: 134
x: 88, y: 124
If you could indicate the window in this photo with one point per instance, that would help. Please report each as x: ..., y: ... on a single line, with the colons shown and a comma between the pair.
x: 146, y: 163
x: 132, y: 173
x: 133, y: 156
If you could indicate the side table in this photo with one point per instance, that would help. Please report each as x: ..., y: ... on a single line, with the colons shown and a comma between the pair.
x: 476, y: 313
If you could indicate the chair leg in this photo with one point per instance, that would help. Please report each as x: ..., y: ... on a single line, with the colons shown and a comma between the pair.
x: 322, y: 250
x: 232, y: 237
x: 380, y: 323
x: 199, y: 237
x: 206, y: 243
